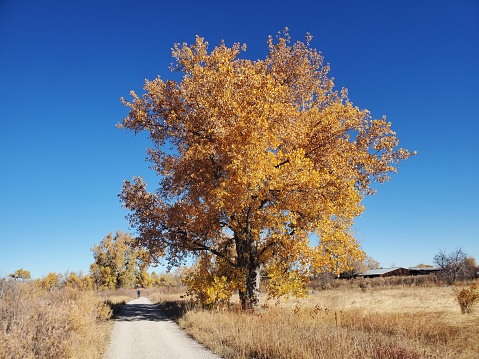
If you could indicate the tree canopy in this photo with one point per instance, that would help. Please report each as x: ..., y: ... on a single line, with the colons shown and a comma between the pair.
x: 119, y: 263
x: 253, y: 157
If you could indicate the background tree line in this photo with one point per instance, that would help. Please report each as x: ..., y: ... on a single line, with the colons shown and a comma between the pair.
x: 119, y: 263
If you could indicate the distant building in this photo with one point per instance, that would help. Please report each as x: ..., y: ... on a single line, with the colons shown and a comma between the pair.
x: 399, y: 271
x: 423, y: 270
x: 384, y: 272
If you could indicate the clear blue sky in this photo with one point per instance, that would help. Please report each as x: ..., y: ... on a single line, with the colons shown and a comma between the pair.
x: 65, y: 64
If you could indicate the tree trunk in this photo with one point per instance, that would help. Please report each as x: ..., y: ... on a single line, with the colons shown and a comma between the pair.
x: 247, y: 260
x: 250, y: 296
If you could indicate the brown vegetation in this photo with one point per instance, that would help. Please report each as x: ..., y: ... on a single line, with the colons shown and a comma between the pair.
x: 401, y: 317
x: 370, y: 322
x: 56, y: 323
x: 467, y: 297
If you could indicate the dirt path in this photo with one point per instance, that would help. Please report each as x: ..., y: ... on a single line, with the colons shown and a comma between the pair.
x: 141, y: 332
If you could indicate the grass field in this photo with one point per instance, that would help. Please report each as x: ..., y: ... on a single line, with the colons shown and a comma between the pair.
x: 381, y: 322
x: 384, y: 322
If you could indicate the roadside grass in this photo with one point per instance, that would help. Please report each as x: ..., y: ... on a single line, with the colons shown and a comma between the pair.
x: 55, y: 323
x: 380, y: 322
x: 365, y: 320
x: 61, y: 322
x: 115, y: 299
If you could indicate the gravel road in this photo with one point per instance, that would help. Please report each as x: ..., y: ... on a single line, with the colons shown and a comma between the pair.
x: 141, y: 331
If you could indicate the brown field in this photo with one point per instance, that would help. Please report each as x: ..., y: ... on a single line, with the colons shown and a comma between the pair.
x: 379, y: 322
x: 60, y: 322
x: 54, y: 323
x: 349, y: 321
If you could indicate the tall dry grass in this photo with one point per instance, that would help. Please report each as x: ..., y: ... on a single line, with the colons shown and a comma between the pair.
x: 57, y: 323
x: 380, y: 323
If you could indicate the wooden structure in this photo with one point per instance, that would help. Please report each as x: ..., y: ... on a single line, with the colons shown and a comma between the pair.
x: 385, y: 272
x: 398, y: 271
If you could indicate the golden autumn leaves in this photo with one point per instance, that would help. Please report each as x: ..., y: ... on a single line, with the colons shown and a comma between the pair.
x: 253, y: 157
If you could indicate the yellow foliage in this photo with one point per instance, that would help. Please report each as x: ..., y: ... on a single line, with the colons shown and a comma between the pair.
x: 253, y: 157
x: 78, y: 282
x: 211, y: 283
x: 20, y: 274
x: 284, y: 281
x: 50, y: 281
x: 119, y: 263
x: 145, y: 279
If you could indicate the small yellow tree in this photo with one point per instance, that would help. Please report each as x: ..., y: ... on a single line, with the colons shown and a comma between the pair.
x: 50, y: 281
x: 20, y: 274
x: 78, y: 281
x: 253, y: 157
x: 210, y: 281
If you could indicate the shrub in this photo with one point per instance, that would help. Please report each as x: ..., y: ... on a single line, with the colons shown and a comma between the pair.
x: 467, y: 297
x: 46, y: 323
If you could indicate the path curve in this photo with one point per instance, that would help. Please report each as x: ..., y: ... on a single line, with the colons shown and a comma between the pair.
x: 142, y: 331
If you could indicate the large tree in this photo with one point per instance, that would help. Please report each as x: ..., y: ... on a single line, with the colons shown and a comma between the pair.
x: 253, y: 157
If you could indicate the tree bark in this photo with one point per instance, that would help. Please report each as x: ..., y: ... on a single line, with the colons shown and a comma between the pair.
x: 250, y: 296
x: 247, y: 260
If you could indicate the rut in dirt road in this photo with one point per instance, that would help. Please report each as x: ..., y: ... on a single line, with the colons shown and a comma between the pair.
x: 142, y: 331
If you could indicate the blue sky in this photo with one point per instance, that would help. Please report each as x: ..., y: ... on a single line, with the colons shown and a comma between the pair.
x: 64, y: 66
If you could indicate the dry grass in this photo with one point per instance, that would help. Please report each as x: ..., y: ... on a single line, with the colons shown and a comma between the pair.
x: 376, y: 322
x: 58, y: 323
x: 398, y: 322
x: 116, y: 298
x: 166, y: 294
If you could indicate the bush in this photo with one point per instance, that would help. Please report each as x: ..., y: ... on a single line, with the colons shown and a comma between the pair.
x: 40, y: 323
x: 467, y: 297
